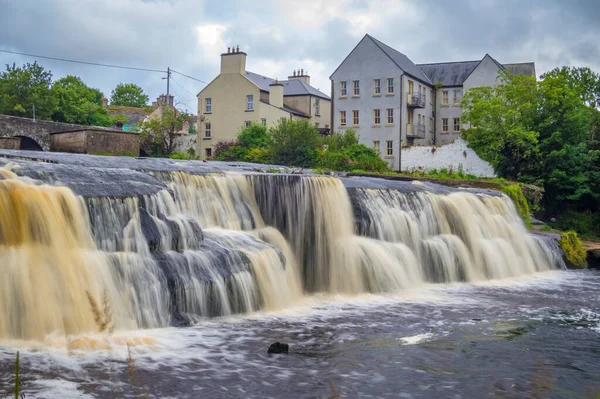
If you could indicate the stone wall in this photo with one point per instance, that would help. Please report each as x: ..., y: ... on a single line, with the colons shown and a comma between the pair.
x: 450, y: 156
x: 39, y: 131
x: 10, y: 143
x: 184, y: 142
x: 96, y: 142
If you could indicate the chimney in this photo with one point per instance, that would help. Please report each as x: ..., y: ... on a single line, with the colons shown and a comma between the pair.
x: 276, y: 94
x: 234, y: 61
x: 300, y: 76
x: 228, y: 50
x: 104, y: 102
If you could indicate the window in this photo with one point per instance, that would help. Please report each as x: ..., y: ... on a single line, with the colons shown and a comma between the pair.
x: 343, y: 91
x: 356, y: 88
x: 430, y: 97
x: 444, y: 125
x: 247, y: 123
x: 208, y: 152
x: 317, y: 125
x: 355, y: 117
x: 457, y: 97
x: 342, y: 118
x: 456, y: 125
x: 431, y: 124
x: 377, y: 117
x: 207, y: 130
x: 263, y: 121
x: 389, y: 148
x: 317, y: 107
x: 250, y: 103
x: 376, y: 87
x: 444, y: 97
x: 377, y: 147
x: 390, y: 116
x: 208, y: 105
x: 283, y: 119
x: 390, y: 86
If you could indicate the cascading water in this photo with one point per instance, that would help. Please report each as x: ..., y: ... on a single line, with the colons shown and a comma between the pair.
x: 184, y: 244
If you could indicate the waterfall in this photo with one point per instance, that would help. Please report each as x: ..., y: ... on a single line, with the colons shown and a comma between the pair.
x: 189, y: 246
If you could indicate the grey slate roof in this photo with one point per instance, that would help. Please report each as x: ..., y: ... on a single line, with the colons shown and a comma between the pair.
x: 289, y: 109
x: 523, y: 68
x: 449, y: 73
x: 402, y: 61
x: 290, y: 87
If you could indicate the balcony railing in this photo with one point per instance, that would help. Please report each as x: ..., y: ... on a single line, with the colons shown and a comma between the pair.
x: 415, y: 100
x: 415, y: 131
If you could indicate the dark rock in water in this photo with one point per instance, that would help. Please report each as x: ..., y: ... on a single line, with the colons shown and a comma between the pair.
x: 279, y: 347
x: 593, y: 258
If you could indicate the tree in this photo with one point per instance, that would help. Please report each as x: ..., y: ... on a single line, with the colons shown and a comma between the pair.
x: 129, y: 95
x: 22, y: 88
x: 78, y: 103
x: 500, y: 126
x: 294, y: 142
x: 158, y: 133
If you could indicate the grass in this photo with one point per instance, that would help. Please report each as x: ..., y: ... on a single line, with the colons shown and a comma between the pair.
x: 102, y: 314
x: 574, y: 251
x: 515, y: 193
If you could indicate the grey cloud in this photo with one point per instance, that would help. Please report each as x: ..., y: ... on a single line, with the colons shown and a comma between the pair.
x: 159, y: 33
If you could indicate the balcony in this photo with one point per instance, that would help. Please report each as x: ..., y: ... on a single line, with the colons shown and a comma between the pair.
x: 415, y: 131
x: 415, y: 100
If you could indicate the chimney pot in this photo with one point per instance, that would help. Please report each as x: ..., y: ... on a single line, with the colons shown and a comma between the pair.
x: 237, y: 48
x: 294, y: 72
x: 228, y: 50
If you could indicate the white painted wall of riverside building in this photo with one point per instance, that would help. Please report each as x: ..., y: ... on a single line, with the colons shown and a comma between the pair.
x: 449, y: 156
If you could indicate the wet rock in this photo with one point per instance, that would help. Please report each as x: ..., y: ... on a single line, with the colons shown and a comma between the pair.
x: 593, y: 258
x: 279, y: 347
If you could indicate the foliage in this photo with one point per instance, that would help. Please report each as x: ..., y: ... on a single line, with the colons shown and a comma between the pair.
x: 129, y: 95
x: 78, y: 103
x: 515, y: 193
x: 586, y: 223
x: 501, y: 123
x: 573, y: 249
x: 180, y: 155
x: 227, y: 151
x: 21, y: 88
x: 544, y: 133
x: 338, y: 141
x: 294, y: 143
x: 253, y: 136
x: 158, y: 133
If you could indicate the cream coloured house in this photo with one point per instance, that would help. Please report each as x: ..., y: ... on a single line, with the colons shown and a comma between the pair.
x: 237, y: 98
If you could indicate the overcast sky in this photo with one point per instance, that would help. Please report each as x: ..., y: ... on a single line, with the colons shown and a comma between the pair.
x: 282, y: 35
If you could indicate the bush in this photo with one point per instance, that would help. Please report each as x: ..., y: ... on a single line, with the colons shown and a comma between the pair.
x: 573, y: 249
x: 294, y: 143
x: 258, y: 155
x: 229, y: 151
x: 253, y: 136
x: 515, y: 193
x: 586, y: 224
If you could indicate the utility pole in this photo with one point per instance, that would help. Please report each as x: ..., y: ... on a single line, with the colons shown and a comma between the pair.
x: 168, y: 78
x: 33, y: 105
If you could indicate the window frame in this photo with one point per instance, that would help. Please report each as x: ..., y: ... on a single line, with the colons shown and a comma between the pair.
x: 377, y: 117
x: 376, y: 87
x: 343, y: 89
x: 208, y: 105
x: 456, y: 99
x: 445, y: 127
x: 247, y: 123
x: 343, y: 120
x: 208, y: 152
x: 263, y: 121
x: 356, y: 88
x: 389, y: 148
x: 250, y: 102
x: 355, y: 117
x: 392, y: 92
x: 389, y: 115
x: 208, y: 128
x: 317, y: 107
x: 445, y: 98
x: 455, y: 124
x: 377, y: 146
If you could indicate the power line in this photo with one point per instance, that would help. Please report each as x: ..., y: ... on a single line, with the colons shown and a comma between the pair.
x: 87, y: 63
x: 177, y: 83
x: 189, y: 77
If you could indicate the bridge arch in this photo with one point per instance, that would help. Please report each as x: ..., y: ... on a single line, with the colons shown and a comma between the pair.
x: 29, y: 144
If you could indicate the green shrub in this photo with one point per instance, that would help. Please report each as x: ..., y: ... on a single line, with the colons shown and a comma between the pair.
x: 586, y: 224
x: 179, y: 155
x: 294, y: 143
x: 515, y: 193
x: 573, y: 249
x: 253, y: 136
x: 258, y: 155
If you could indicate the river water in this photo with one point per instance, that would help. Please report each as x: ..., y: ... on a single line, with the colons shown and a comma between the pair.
x: 537, y: 336
x: 125, y: 277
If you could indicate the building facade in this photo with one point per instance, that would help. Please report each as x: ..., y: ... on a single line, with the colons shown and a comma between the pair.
x: 237, y: 98
x: 393, y: 102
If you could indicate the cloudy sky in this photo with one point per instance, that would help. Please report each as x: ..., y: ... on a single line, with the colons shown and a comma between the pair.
x: 282, y: 35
